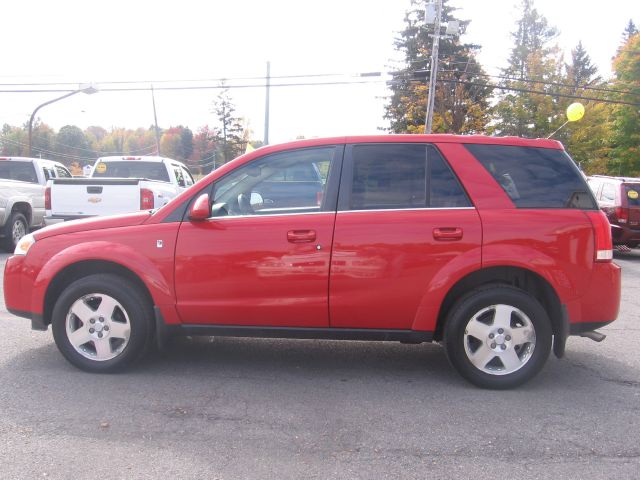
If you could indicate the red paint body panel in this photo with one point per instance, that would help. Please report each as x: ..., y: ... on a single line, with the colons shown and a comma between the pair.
x: 133, y: 247
x: 245, y: 271
x: 386, y: 266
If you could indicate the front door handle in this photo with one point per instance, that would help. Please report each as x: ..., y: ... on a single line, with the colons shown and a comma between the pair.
x: 445, y: 234
x: 301, y: 236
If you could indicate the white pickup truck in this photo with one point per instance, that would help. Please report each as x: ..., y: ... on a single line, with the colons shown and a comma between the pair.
x: 117, y: 185
x: 22, y: 186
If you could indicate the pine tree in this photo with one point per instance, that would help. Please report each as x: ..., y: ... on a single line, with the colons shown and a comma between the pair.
x: 459, y: 106
x: 533, y: 58
x: 229, y: 132
x: 587, y: 140
x: 629, y: 31
x: 625, y: 159
x: 581, y: 72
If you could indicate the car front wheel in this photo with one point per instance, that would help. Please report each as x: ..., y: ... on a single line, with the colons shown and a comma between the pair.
x: 102, y: 323
x: 498, y: 337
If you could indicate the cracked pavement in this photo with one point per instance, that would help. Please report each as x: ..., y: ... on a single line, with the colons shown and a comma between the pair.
x: 225, y: 408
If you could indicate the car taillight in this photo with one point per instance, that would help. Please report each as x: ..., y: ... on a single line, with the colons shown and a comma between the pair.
x: 146, y: 199
x: 47, y: 198
x: 622, y: 214
x: 602, y: 232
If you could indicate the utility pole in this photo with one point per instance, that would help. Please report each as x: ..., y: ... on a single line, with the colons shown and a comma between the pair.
x: 266, y: 106
x: 434, y: 67
x: 155, y: 119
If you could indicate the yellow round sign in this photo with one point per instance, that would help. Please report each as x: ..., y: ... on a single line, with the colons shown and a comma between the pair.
x: 101, y: 168
x: 632, y: 194
x: 575, y: 112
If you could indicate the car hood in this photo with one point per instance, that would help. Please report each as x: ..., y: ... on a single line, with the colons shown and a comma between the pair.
x: 93, y: 223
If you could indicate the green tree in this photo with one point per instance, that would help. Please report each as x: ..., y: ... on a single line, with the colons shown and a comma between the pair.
x: 229, y: 131
x: 587, y: 140
x: 533, y: 58
x: 72, y: 145
x: 13, y: 141
x: 625, y: 158
x: 459, y: 107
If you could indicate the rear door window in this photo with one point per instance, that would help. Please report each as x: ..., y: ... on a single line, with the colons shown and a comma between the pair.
x: 535, y: 177
x: 399, y: 176
x: 62, y: 172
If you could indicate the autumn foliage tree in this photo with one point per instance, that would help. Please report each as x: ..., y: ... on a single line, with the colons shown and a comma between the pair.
x: 626, y: 118
x: 462, y: 92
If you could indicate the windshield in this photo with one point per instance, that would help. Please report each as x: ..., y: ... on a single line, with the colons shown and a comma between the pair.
x: 132, y: 169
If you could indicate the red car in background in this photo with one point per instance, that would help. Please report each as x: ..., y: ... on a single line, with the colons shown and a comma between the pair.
x: 619, y: 199
x: 495, y: 247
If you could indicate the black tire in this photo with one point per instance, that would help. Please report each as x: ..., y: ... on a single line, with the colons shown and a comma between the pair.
x: 489, y: 361
x: 132, y: 311
x: 17, y: 223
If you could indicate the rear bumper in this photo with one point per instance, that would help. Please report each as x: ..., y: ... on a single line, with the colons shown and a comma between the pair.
x: 624, y: 234
x: 600, y: 303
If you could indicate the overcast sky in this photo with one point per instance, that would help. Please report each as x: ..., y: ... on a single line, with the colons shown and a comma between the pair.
x: 116, y: 41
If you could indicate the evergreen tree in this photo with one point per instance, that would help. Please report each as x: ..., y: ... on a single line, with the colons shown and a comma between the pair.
x: 587, y: 140
x: 533, y: 58
x: 625, y: 159
x: 581, y: 72
x: 629, y: 32
x: 229, y: 132
x: 459, y: 107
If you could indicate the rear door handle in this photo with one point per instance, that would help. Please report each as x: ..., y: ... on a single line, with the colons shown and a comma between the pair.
x: 445, y: 234
x: 301, y: 236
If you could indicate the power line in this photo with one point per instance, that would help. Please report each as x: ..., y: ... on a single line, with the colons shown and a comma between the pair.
x: 544, y: 82
x: 204, y: 87
x: 541, y: 92
x: 220, y: 79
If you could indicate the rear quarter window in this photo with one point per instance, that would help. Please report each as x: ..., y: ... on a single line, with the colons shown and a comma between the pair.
x: 535, y: 177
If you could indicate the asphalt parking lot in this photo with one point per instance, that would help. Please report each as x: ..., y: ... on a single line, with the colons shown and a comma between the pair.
x: 224, y: 408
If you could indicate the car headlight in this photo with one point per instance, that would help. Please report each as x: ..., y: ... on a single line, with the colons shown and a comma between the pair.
x: 24, y: 244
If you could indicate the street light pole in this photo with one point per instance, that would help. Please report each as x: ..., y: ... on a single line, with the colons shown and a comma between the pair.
x: 88, y: 90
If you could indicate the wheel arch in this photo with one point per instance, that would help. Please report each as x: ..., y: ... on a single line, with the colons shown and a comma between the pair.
x: 518, y: 277
x: 82, y: 269
x: 24, y: 208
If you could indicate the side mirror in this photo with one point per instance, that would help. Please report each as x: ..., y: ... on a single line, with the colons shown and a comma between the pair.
x: 200, y: 211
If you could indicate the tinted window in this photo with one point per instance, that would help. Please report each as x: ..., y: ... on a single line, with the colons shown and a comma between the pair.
x: 177, y: 171
x: 535, y: 177
x: 132, y: 169
x: 187, y: 176
x: 445, y: 189
x: 23, y: 171
x: 287, y: 182
x: 401, y: 176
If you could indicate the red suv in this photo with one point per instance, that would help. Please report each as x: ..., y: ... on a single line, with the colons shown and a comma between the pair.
x: 493, y: 246
x: 619, y: 198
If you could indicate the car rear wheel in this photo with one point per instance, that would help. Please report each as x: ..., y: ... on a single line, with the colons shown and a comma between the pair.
x: 498, y: 337
x: 102, y: 323
x: 16, y: 228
